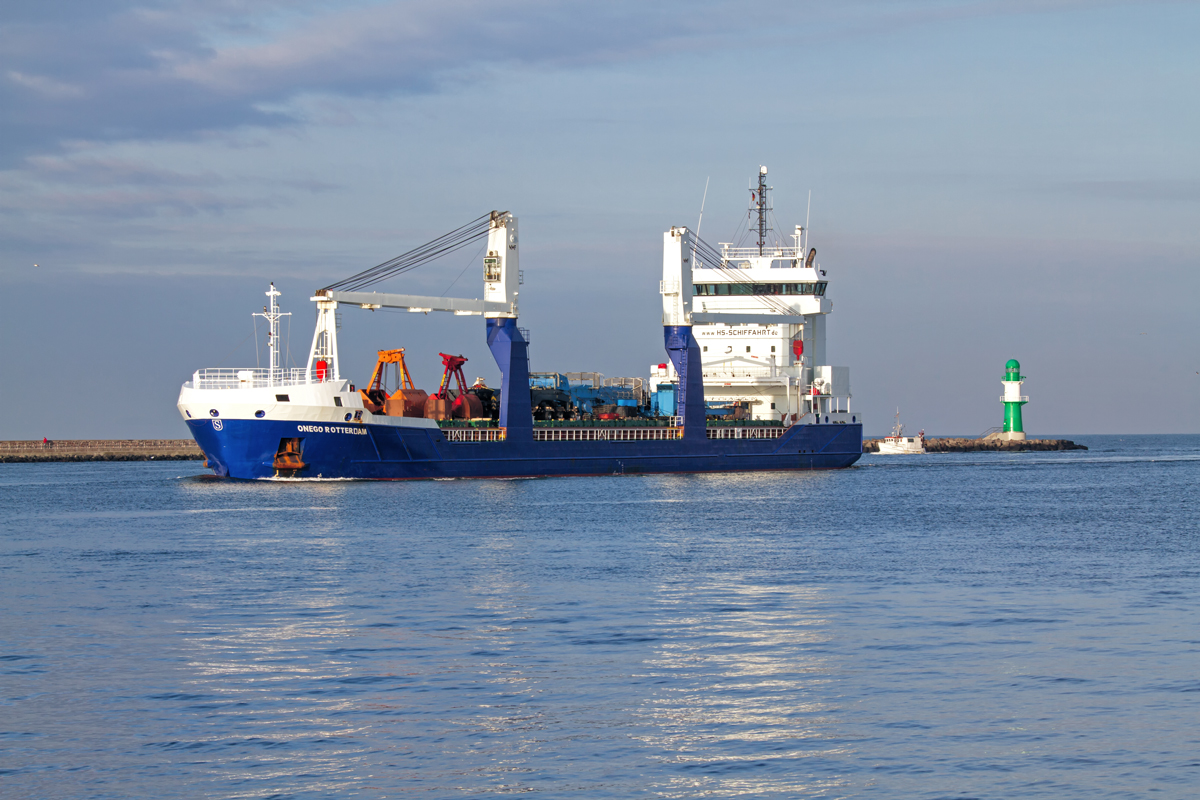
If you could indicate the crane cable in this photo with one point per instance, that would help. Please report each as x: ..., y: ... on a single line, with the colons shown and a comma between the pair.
x: 705, y: 253
x: 448, y: 243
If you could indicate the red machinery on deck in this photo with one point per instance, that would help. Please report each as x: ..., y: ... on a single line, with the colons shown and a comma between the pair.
x: 450, y: 404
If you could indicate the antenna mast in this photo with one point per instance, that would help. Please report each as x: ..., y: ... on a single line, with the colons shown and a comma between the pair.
x: 808, y: 214
x: 759, y: 207
x: 273, y: 315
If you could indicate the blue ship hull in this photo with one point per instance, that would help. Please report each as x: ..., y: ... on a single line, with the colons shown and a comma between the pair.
x: 247, y: 448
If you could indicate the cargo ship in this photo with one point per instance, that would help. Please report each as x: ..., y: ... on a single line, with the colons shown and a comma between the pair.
x: 744, y: 325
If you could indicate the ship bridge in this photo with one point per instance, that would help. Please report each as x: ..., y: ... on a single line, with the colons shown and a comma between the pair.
x: 758, y: 315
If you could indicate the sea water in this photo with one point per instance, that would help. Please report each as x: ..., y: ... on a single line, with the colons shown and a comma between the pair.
x: 942, y: 626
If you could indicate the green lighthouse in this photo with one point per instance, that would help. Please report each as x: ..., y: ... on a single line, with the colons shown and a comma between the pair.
x: 1013, y: 400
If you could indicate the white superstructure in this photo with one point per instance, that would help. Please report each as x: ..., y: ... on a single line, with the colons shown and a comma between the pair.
x: 758, y: 314
x: 314, y: 394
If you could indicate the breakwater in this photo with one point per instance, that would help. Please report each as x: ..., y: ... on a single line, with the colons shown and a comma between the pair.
x: 101, y: 450
x: 964, y: 445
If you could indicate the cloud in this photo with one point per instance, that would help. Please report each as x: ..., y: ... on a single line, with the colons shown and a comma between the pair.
x: 56, y: 187
x: 155, y: 69
x: 107, y: 171
x: 110, y: 188
x: 170, y: 70
x: 78, y: 71
x: 43, y: 85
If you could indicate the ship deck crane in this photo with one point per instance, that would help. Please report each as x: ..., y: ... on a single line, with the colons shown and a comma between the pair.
x: 501, y: 288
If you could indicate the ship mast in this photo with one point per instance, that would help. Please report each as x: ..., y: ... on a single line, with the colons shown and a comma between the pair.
x: 273, y: 315
x: 759, y: 208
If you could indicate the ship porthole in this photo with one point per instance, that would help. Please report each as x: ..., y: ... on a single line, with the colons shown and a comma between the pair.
x: 349, y: 416
x: 212, y: 412
x: 260, y: 414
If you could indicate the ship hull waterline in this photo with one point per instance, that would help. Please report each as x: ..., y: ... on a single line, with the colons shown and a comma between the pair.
x: 246, y: 449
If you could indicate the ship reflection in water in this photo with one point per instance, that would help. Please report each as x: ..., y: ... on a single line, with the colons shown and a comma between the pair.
x: 743, y: 691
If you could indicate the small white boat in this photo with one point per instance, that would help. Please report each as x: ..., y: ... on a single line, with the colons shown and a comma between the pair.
x: 898, y: 444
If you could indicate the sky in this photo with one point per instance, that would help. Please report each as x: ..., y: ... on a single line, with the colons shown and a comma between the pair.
x: 989, y: 180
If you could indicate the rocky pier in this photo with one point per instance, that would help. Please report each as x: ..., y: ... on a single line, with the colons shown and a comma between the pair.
x: 964, y: 445
x: 101, y: 450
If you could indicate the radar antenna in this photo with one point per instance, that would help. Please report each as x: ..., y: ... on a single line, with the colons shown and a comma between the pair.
x: 759, y: 208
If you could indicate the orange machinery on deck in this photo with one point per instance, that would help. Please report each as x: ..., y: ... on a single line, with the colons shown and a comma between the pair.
x: 406, y: 400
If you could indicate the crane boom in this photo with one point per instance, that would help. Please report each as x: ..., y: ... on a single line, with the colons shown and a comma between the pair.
x: 456, y: 305
x: 501, y: 282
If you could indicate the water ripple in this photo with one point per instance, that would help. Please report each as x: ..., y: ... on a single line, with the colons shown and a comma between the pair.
x: 955, y: 626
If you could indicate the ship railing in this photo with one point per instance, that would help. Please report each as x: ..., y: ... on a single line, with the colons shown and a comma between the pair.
x: 743, y: 372
x: 593, y: 379
x: 635, y: 385
x: 752, y: 252
x: 1024, y: 398
x: 233, y: 378
x: 614, y: 434
x: 738, y: 432
x: 474, y: 434
x: 643, y: 434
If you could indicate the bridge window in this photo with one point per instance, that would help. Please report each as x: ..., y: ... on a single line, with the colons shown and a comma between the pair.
x: 744, y: 289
